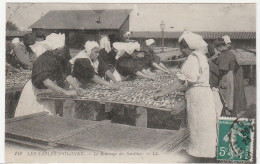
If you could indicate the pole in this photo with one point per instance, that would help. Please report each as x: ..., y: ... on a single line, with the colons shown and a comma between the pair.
x: 99, y: 35
x: 162, y: 40
x: 67, y: 38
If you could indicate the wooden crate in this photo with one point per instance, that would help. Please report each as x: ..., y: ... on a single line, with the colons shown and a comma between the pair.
x: 124, y: 138
x: 50, y: 132
x: 42, y: 130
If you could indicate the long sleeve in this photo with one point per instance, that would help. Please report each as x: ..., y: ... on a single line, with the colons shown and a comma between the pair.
x: 45, y: 67
x: 191, y: 69
x: 102, y: 67
x: 83, y: 70
x: 22, y: 55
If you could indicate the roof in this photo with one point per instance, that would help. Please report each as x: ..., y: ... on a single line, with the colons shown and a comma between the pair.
x: 17, y: 33
x: 82, y: 19
x: 206, y: 35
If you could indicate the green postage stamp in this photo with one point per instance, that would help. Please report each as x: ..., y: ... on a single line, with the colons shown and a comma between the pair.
x: 235, y: 139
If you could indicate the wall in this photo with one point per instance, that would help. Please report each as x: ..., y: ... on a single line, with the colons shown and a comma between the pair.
x: 238, y: 43
x: 12, y: 37
x: 249, y: 44
x: 124, y: 28
x: 47, y: 31
x: 77, y: 38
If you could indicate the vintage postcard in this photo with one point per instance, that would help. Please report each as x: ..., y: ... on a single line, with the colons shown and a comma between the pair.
x: 130, y: 82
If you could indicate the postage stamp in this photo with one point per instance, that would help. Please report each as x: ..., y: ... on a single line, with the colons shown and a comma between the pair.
x: 235, y: 139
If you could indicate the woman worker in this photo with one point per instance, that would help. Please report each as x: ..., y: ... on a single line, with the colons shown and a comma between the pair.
x: 106, y: 52
x: 108, y: 55
x: 151, y: 58
x: 48, y: 73
x: 127, y: 37
x: 88, y: 66
x: 194, y: 78
x: 129, y: 60
x: 230, y: 77
x: 20, y: 54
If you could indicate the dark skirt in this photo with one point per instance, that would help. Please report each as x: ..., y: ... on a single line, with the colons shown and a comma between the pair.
x: 240, y: 103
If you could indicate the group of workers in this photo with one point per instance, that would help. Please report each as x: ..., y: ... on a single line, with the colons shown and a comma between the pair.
x: 105, y: 63
x: 201, y: 77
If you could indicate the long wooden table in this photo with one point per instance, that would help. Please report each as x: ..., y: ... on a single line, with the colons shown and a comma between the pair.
x: 49, y: 132
x: 125, y: 113
x: 96, y: 105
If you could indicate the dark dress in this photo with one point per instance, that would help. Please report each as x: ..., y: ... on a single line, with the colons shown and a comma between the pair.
x: 22, y: 56
x: 129, y: 64
x: 150, y: 57
x: 213, y: 74
x: 84, y: 71
x: 108, y: 58
x: 53, y: 65
x: 227, y: 61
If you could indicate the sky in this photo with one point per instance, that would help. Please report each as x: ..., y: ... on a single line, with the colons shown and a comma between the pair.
x: 147, y: 17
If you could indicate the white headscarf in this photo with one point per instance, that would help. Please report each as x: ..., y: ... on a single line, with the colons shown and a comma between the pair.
x: 127, y: 34
x: 105, y: 43
x: 149, y: 42
x: 127, y: 47
x: 194, y: 41
x: 197, y: 43
x: 226, y: 39
x: 55, y: 41
x: 89, y: 45
x: 39, y: 48
x: 15, y: 41
x: 52, y: 42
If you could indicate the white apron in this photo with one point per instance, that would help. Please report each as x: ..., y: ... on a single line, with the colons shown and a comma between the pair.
x: 201, y: 112
x: 28, y: 103
x: 117, y: 75
x: 218, y: 103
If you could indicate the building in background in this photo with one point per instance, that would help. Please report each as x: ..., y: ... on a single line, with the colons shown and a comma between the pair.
x: 10, y: 35
x: 245, y: 40
x: 82, y: 25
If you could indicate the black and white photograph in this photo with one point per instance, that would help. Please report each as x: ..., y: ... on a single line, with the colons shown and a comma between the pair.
x: 130, y: 82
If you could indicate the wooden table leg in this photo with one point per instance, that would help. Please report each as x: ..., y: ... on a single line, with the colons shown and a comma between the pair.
x: 141, y: 117
x: 69, y: 107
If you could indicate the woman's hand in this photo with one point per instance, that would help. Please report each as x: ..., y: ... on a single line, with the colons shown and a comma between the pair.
x: 167, y: 71
x: 123, y: 78
x: 70, y: 93
x: 114, y: 86
x: 81, y: 91
x: 184, y: 86
x: 115, y: 82
x: 151, y: 78
x: 158, y: 95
